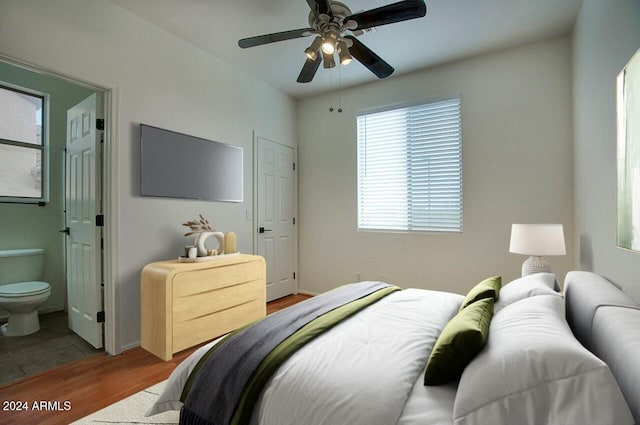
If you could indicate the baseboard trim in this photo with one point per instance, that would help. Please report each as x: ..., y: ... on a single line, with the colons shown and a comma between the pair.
x: 313, y: 294
x: 130, y: 345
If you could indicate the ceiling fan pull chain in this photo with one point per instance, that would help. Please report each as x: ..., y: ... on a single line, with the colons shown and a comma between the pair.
x: 331, y: 90
x: 339, y: 91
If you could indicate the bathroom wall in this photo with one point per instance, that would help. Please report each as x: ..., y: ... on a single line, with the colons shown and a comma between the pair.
x: 31, y: 226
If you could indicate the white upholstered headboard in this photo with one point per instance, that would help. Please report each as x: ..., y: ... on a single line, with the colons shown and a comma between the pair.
x: 607, y: 322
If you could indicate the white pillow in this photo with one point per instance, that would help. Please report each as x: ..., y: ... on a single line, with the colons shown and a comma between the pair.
x: 524, y: 287
x: 533, y: 371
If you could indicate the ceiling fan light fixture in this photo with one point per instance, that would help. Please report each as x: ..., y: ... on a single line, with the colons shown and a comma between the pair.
x: 328, y: 47
x: 328, y: 60
x: 312, y: 50
x: 343, y: 53
x: 329, y: 40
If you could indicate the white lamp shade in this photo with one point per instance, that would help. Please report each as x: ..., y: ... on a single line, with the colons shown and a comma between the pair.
x: 537, y: 239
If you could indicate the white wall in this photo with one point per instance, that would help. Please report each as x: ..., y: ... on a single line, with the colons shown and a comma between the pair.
x: 162, y: 81
x: 517, y: 167
x: 606, y: 35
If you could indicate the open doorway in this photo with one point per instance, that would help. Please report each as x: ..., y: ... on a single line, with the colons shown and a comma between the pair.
x: 38, y: 224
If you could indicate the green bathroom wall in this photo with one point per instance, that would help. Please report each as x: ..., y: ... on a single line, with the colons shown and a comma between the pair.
x: 29, y: 225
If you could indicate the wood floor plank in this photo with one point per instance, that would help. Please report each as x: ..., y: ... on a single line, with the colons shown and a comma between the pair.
x: 93, y: 383
x: 285, y: 302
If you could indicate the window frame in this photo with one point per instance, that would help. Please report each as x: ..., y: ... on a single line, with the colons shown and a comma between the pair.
x: 43, y: 147
x: 398, y: 106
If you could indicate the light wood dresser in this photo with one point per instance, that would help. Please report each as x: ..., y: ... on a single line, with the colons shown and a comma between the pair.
x: 184, y: 304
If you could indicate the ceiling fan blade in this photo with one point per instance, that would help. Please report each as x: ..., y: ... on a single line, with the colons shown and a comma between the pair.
x: 309, y: 69
x: 389, y: 14
x: 320, y: 7
x: 368, y: 58
x: 276, y: 36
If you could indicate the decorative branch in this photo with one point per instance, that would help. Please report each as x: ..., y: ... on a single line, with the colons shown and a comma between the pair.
x: 198, y: 225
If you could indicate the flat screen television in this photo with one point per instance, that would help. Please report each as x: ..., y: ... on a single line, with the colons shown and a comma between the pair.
x: 177, y: 165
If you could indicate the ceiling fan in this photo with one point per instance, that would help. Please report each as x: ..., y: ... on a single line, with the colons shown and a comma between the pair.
x: 330, y: 21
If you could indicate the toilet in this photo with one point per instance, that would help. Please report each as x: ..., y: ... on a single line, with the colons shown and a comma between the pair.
x: 21, y: 293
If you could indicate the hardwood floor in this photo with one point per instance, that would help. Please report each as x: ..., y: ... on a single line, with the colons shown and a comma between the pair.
x: 285, y: 302
x: 93, y: 383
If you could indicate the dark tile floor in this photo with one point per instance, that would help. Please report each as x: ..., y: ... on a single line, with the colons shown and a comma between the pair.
x: 53, y: 345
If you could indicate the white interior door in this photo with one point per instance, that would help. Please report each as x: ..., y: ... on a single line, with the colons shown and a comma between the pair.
x: 274, y: 212
x: 82, y: 199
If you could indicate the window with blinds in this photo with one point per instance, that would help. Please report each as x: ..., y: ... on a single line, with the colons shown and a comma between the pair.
x: 410, y: 168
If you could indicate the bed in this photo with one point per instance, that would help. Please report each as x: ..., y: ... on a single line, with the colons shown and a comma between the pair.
x: 370, y: 367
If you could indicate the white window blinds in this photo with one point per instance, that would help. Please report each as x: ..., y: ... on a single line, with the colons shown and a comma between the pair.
x: 410, y: 168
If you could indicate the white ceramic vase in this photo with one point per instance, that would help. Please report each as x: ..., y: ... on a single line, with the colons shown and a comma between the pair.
x: 201, y: 240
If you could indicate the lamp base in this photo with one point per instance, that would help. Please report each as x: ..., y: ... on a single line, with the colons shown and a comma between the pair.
x: 535, y: 264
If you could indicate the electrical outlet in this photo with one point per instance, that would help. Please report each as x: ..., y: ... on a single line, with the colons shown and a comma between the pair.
x: 249, y: 215
x: 358, y: 277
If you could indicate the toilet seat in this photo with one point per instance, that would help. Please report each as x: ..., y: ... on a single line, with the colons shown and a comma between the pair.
x: 24, y: 289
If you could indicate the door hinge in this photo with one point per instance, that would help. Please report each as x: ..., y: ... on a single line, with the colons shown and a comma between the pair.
x: 294, y: 221
x: 294, y: 166
x: 294, y: 275
x: 100, y: 317
x: 102, y: 243
x: 100, y: 124
x: 100, y: 220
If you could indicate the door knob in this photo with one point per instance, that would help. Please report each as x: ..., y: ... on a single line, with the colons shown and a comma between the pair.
x: 262, y: 230
x: 66, y: 230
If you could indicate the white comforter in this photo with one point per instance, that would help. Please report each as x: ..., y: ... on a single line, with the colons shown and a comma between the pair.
x: 368, y: 370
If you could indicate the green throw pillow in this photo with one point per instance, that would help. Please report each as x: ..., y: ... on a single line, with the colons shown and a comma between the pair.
x: 461, y: 339
x: 488, y: 288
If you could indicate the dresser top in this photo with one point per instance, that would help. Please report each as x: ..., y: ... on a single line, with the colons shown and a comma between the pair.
x: 177, y: 266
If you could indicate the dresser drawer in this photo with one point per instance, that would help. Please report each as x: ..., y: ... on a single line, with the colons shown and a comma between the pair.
x: 200, y: 281
x: 191, y: 332
x: 202, y: 304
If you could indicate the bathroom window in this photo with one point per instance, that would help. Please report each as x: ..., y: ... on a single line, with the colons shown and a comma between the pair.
x: 23, y: 145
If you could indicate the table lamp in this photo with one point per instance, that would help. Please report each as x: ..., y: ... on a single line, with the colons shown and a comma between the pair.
x: 537, y: 240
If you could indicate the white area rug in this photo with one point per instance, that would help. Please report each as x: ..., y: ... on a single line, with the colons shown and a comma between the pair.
x: 131, y: 410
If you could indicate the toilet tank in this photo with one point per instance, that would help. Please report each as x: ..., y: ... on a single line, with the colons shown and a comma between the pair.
x: 21, y: 265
